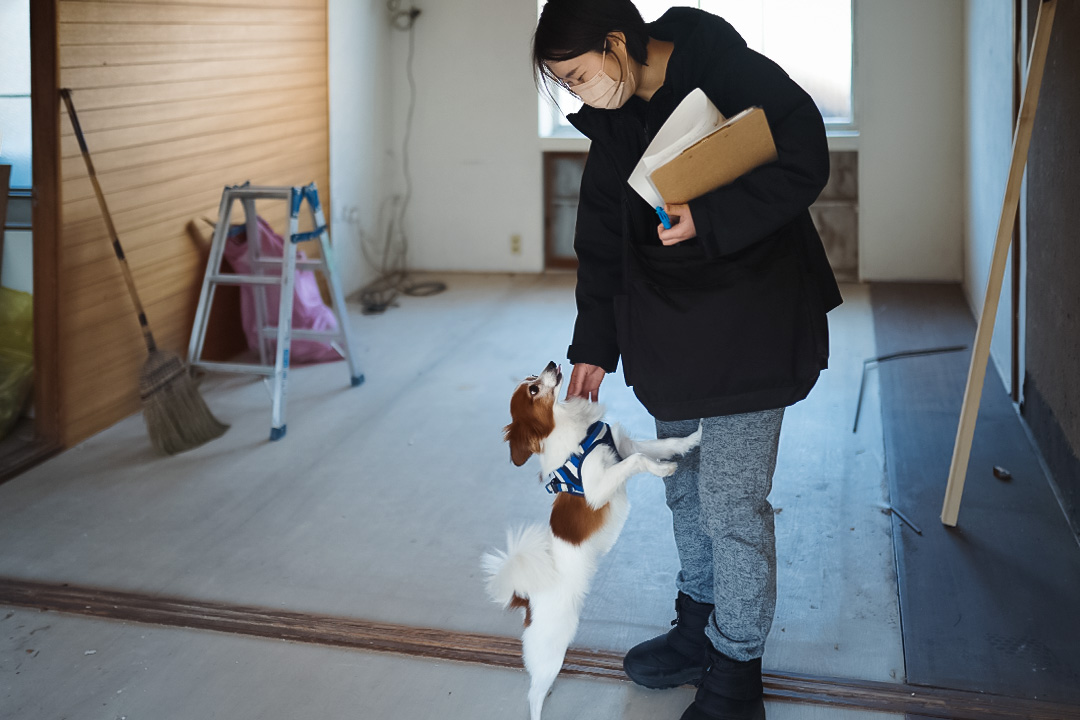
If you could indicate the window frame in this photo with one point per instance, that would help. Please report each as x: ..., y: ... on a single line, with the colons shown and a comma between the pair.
x: 550, y: 115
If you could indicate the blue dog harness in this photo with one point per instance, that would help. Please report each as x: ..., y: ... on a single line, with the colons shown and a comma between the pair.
x: 567, y: 478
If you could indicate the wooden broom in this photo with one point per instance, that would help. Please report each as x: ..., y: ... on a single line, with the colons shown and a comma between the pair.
x: 176, y: 416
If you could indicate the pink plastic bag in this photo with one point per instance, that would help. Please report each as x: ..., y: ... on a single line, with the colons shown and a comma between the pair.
x: 309, y: 310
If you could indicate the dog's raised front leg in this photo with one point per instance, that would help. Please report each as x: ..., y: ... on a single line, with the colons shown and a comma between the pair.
x: 678, y: 446
x: 663, y: 448
x: 603, y: 479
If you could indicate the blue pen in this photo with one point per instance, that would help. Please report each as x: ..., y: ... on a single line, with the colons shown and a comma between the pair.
x: 664, y: 219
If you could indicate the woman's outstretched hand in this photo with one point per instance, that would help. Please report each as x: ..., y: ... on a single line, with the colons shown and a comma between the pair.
x: 682, y: 227
x: 585, y: 382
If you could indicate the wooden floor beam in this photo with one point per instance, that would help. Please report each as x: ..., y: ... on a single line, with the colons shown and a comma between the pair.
x: 493, y: 650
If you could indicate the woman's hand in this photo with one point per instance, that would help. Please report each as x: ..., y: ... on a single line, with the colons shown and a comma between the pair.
x: 682, y: 228
x: 585, y: 382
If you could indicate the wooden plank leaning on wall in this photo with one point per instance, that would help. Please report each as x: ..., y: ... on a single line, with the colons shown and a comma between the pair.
x: 177, y: 99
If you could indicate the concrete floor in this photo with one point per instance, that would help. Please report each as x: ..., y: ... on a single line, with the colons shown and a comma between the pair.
x: 150, y: 673
x: 379, y: 503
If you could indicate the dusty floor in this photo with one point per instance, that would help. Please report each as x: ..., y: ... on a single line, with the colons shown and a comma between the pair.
x: 378, y: 505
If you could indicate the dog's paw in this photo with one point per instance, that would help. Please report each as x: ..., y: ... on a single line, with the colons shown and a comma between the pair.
x: 692, y: 441
x: 663, y: 469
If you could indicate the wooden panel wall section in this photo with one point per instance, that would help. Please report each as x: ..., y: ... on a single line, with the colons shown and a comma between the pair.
x: 177, y: 99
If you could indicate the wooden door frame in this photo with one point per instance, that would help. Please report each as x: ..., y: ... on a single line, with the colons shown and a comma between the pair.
x: 551, y: 260
x: 45, y: 120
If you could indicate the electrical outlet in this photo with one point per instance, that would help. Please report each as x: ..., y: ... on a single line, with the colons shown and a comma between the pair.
x: 515, y: 244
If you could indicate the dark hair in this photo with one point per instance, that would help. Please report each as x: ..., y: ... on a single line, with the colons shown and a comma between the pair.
x: 568, y: 28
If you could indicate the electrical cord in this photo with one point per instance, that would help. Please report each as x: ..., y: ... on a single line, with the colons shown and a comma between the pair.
x: 393, y: 279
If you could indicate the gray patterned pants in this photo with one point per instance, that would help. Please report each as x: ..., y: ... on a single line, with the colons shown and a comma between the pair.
x: 723, y: 525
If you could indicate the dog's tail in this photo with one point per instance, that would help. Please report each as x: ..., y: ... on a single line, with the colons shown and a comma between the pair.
x: 525, y: 568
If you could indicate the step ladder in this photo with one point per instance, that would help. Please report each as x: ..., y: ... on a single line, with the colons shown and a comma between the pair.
x: 277, y: 372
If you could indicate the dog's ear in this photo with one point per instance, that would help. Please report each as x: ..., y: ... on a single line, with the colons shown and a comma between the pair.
x: 521, y: 445
x: 531, y: 422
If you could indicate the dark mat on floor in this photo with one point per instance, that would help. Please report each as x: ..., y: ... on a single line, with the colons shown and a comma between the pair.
x: 992, y: 605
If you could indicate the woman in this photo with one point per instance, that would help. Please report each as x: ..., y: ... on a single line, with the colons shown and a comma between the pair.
x: 719, y: 319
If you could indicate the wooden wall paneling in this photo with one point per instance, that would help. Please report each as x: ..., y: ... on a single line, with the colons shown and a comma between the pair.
x: 197, y: 172
x: 152, y: 193
x: 122, y: 76
x: 76, y: 56
x: 106, y: 34
x: 95, y: 282
x: 178, y: 130
x: 177, y: 99
x: 231, y: 3
x: 94, y: 97
x: 131, y: 223
x: 127, y: 13
x: 161, y: 242
x: 280, y: 134
x: 137, y: 116
x: 202, y: 203
x: 94, y: 303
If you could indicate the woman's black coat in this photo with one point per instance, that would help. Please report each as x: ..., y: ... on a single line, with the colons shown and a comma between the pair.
x: 733, y: 320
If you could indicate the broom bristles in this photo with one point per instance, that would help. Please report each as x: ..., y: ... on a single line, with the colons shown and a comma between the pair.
x: 177, y: 417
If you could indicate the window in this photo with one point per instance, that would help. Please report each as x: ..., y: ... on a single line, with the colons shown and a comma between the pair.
x: 810, y: 39
x: 15, y: 90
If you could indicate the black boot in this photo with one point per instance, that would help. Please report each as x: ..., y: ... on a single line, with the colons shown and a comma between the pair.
x: 729, y: 690
x: 676, y: 658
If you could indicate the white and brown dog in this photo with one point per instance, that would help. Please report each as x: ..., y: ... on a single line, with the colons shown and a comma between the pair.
x: 547, y: 569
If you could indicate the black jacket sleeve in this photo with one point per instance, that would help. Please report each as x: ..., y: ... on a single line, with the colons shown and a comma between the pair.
x: 765, y: 199
x: 598, y: 244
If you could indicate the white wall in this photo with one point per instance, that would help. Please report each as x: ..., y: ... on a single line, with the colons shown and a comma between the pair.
x: 988, y: 151
x: 358, y: 44
x: 909, y: 88
x: 475, y: 157
x: 474, y: 153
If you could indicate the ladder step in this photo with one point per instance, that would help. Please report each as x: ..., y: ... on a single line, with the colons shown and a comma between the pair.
x: 234, y: 279
x: 258, y: 192
x: 300, y: 264
x: 305, y: 236
x: 249, y: 369
x: 271, y: 332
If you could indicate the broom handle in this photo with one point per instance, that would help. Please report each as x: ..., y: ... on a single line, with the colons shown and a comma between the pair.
x: 151, y: 346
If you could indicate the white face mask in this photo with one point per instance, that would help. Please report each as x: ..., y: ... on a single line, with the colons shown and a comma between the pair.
x: 601, y: 91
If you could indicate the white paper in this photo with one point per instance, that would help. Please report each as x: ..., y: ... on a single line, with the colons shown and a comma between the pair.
x: 695, y: 118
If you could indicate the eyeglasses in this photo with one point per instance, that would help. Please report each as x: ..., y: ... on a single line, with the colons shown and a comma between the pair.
x: 563, y: 84
x: 566, y: 86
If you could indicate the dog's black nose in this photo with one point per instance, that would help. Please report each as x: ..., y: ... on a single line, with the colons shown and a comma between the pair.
x: 550, y: 367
